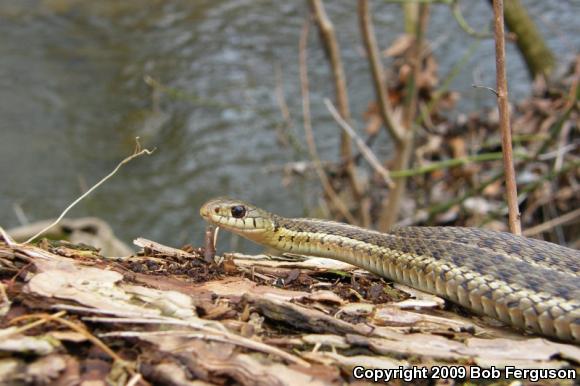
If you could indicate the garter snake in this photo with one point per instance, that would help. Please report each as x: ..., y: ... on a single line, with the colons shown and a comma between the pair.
x: 526, y: 283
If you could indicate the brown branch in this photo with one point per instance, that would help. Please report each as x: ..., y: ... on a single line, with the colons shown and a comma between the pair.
x: 372, y: 49
x: 390, y: 206
x: 504, y: 120
x: 304, y: 86
x: 332, y: 49
x: 328, y: 38
x: 364, y: 149
x: 550, y: 224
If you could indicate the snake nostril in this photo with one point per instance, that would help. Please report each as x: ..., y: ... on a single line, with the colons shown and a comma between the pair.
x: 216, y: 210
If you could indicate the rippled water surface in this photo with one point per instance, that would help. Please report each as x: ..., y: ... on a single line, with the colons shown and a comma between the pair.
x: 73, y: 97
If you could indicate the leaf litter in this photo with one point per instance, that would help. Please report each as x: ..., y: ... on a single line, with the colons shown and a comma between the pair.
x: 74, y: 317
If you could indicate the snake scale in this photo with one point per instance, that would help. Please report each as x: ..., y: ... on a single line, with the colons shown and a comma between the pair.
x: 529, y: 284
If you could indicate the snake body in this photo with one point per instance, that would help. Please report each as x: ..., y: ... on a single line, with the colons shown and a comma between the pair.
x: 529, y: 284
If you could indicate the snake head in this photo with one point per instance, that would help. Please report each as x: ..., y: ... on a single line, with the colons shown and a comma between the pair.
x: 238, y: 217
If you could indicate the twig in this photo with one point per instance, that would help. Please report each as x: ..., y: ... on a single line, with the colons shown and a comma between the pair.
x: 390, y: 206
x: 414, y: 59
x: 304, y: 85
x: 558, y: 153
x: 452, y: 162
x: 548, y: 225
x: 487, y: 88
x: 562, y: 147
x: 164, y: 249
x: 210, y: 243
x: 364, y: 149
x: 504, y: 120
x: 385, y: 108
x: 136, y: 153
x: 81, y: 330
x: 6, y: 237
x: 328, y: 37
x: 29, y: 326
x: 332, y: 49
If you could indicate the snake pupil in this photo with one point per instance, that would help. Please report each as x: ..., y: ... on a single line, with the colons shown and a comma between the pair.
x: 238, y: 211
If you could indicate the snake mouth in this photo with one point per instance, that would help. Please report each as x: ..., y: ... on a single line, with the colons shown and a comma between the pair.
x: 205, y: 211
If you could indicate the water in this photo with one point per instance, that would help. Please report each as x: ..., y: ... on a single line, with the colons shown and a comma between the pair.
x: 73, y: 97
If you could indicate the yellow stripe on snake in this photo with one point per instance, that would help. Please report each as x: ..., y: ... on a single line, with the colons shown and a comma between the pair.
x: 526, y: 283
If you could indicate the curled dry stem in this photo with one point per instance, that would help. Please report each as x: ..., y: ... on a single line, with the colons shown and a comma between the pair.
x: 136, y: 153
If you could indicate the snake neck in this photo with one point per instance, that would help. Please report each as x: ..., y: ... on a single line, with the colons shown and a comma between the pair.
x: 326, y: 239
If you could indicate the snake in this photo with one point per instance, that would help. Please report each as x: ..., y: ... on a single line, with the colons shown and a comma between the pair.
x: 528, y: 284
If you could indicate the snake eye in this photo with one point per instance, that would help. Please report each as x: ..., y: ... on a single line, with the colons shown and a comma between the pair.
x: 238, y: 211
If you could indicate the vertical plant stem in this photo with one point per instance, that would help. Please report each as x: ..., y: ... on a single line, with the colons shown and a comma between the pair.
x: 390, y: 214
x: 411, y: 12
x: 332, y: 49
x: 385, y: 109
x: 504, y: 120
x: 392, y: 125
x: 390, y: 206
x: 305, y: 89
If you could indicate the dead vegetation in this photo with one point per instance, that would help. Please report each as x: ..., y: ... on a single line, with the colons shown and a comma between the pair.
x: 443, y: 167
x: 165, y: 316
x: 456, y: 176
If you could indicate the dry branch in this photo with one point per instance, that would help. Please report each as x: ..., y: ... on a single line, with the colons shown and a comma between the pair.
x: 385, y: 108
x: 364, y: 149
x: 390, y: 206
x: 332, y: 49
x: 548, y: 225
x: 328, y: 37
x: 304, y: 86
